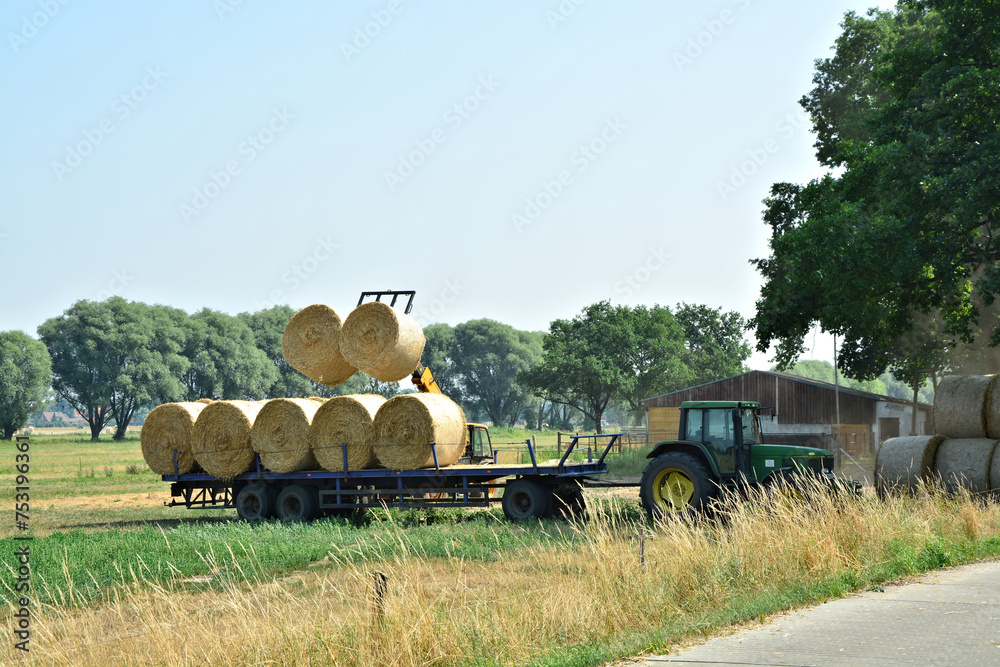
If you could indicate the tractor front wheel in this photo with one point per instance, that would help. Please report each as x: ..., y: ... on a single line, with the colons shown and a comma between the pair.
x: 675, y: 483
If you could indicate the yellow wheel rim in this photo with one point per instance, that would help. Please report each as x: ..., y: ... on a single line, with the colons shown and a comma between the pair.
x: 672, y: 490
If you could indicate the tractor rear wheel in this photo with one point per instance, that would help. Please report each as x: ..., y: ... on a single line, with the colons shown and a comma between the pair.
x: 675, y: 483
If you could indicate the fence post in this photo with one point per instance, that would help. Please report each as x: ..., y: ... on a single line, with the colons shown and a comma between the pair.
x: 381, y: 582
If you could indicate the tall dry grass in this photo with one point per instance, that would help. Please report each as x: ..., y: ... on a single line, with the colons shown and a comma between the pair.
x: 617, y: 587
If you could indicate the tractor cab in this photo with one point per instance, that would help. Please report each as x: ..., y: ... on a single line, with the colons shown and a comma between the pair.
x: 479, y: 446
x: 726, y: 430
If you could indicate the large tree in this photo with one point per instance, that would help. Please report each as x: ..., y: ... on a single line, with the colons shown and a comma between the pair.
x: 656, y: 357
x: 25, y: 377
x: 110, y: 357
x: 225, y: 362
x: 437, y: 356
x: 487, y: 357
x: 268, y: 327
x: 897, y: 253
x: 714, y: 346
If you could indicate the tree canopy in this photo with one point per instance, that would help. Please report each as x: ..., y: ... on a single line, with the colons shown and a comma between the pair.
x: 487, y: 357
x: 225, y: 362
x: 897, y: 253
x: 110, y: 357
x: 25, y: 376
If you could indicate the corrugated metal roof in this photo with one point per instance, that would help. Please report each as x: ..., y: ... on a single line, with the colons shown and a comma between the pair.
x: 799, y: 379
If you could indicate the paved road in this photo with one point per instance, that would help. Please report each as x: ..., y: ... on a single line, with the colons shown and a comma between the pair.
x: 948, y: 617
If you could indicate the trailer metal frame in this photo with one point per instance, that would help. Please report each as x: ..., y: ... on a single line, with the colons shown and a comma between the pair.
x: 463, y: 485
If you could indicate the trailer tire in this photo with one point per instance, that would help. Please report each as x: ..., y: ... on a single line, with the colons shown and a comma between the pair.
x: 526, y: 499
x: 297, y: 503
x: 674, y: 484
x: 569, y: 504
x: 255, y: 502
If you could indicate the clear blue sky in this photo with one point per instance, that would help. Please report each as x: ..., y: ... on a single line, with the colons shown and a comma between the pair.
x: 511, y: 160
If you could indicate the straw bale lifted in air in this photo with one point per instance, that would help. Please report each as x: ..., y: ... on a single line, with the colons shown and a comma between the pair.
x: 168, y: 427
x: 382, y: 342
x: 280, y: 434
x: 407, y: 424
x: 346, y: 420
x: 221, y: 442
x: 311, y: 345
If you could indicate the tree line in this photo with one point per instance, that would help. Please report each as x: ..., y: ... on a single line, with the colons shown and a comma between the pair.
x: 112, y: 359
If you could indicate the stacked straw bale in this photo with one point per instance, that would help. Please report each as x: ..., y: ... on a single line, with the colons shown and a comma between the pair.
x: 311, y: 345
x: 904, y: 463
x: 961, y: 406
x: 221, y: 442
x: 382, y: 342
x: 962, y: 454
x: 168, y: 427
x: 280, y: 434
x: 406, y: 426
x: 346, y: 420
x: 965, y: 463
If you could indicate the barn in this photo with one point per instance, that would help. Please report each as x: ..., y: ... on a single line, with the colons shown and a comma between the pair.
x: 798, y: 410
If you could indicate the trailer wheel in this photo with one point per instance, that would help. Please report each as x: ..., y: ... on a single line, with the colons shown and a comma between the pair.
x: 255, y: 502
x: 569, y: 504
x: 675, y: 483
x: 297, y: 503
x: 526, y: 499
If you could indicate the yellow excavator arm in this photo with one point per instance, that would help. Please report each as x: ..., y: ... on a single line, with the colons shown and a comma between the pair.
x: 424, y: 381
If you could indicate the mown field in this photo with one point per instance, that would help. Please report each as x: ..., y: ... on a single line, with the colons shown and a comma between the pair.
x: 120, y: 579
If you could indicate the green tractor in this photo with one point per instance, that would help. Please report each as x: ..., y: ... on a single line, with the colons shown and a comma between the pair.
x: 719, y: 446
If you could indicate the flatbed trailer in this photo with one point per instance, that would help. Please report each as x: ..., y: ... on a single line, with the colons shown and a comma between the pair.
x: 530, y: 490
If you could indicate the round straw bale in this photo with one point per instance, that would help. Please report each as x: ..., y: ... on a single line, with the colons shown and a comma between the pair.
x: 406, y: 426
x: 221, y: 443
x: 905, y: 462
x: 960, y: 406
x: 311, y: 345
x: 206, y: 401
x: 993, y: 409
x: 382, y: 342
x: 995, y: 471
x: 965, y: 463
x: 280, y: 434
x: 345, y: 420
x: 168, y: 427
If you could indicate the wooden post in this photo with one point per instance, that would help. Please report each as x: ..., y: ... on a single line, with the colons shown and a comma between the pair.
x: 381, y: 582
x: 642, y: 549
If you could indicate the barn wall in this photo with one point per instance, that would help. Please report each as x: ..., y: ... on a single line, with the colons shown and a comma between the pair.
x: 794, y: 402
